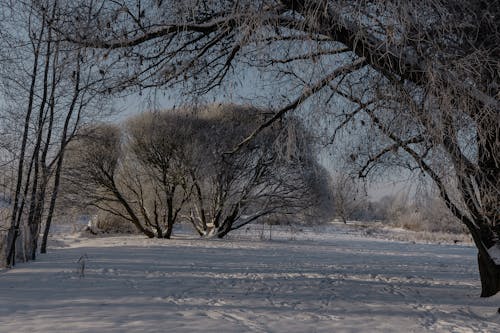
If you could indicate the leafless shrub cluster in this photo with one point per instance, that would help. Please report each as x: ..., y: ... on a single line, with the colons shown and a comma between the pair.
x: 429, y: 215
x: 179, y: 165
x: 107, y: 223
x: 349, y: 197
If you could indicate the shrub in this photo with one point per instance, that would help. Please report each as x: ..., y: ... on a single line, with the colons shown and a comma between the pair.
x: 106, y: 223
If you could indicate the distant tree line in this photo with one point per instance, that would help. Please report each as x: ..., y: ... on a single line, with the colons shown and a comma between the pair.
x: 422, y: 210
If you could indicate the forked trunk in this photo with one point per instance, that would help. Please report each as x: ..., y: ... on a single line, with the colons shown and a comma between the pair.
x: 227, y: 225
x: 223, y: 230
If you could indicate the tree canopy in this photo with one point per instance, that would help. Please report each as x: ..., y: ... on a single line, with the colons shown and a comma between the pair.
x: 422, y: 75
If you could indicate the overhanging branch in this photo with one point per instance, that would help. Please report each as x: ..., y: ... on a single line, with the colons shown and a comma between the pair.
x: 308, y: 92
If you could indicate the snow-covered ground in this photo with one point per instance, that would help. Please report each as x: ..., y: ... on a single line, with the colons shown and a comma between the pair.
x: 322, y: 280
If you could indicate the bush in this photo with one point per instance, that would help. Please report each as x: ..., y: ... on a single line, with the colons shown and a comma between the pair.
x: 106, y: 223
x: 430, y: 215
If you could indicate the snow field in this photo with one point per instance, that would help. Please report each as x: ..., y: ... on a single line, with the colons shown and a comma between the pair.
x: 337, y: 283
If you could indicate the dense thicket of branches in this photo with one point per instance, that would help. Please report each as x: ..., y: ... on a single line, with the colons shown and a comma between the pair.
x: 421, y: 76
x: 171, y: 166
x: 47, y: 89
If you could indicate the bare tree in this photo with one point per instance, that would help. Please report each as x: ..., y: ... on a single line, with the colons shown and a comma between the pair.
x: 177, y: 164
x: 138, y: 173
x: 160, y: 144
x: 349, y: 196
x: 425, y: 211
x: 46, y: 84
x: 270, y: 176
x: 94, y: 173
x: 422, y: 75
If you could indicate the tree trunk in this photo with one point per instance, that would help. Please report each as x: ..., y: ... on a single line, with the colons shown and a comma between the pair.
x: 16, y: 211
x: 135, y: 220
x: 10, y: 253
x: 227, y: 224
x: 224, y: 229
x: 39, y: 185
x: 52, y: 205
x: 159, y: 231
x: 170, y: 219
x: 489, y: 273
x: 64, y: 141
x: 489, y: 185
x: 14, y: 241
x: 34, y: 232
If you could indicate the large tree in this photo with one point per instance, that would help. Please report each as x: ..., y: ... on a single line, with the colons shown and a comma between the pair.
x: 423, y: 76
x: 168, y: 166
x: 271, y: 177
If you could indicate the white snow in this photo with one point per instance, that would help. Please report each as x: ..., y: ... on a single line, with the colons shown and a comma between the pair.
x: 320, y: 282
